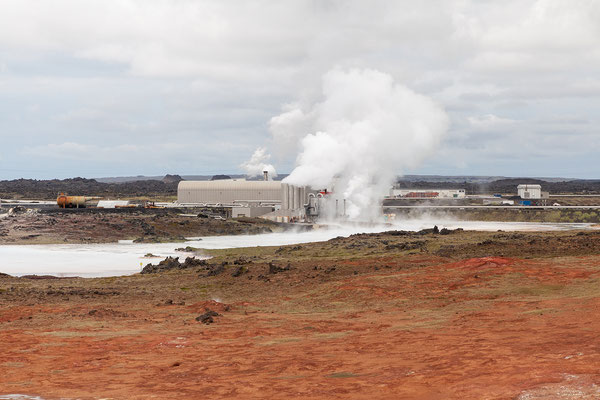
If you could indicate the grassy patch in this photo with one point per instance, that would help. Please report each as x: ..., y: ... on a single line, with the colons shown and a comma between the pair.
x: 538, y: 291
x: 290, y: 377
x: 99, y: 334
x: 342, y: 374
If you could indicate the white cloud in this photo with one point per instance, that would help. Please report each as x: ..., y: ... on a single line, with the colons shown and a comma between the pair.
x: 103, y: 73
x: 489, y: 121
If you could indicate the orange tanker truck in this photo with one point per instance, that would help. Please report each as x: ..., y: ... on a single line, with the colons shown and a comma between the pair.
x: 65, y: 201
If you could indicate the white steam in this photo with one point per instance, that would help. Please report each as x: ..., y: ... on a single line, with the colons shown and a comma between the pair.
x: 362, y: 133
x: 258, y: 163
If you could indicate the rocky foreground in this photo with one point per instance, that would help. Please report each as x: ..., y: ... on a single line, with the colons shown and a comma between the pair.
x: 108, y: 226
x: 396, y: 315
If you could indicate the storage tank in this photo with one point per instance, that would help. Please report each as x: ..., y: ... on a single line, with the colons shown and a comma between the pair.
x: 293, y: 197
x: 64, y: 201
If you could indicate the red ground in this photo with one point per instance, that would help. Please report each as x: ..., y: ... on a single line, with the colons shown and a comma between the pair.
x: 483, y: 328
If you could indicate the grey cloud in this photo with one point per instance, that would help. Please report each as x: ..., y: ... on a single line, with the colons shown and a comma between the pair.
x: 201, y: 79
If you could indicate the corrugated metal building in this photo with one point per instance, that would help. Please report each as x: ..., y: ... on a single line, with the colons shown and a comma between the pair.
x: 529, y: 191
x: 228, y: 192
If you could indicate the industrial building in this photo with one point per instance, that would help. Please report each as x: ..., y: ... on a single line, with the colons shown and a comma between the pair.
x: 229, y: 192
x: 293, y: 197
x: 270, y: 199
x: 529, y: 191
x: 428, y: 193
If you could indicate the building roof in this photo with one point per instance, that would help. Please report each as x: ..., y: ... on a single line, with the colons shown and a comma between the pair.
x: 529, y: 186
x: 227, y: 184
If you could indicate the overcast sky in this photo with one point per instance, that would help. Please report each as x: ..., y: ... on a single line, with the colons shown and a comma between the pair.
x: 114, y: 88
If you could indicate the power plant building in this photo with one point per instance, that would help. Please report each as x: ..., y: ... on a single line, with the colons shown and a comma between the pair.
x: 271, y: 199
x: 224, y: 192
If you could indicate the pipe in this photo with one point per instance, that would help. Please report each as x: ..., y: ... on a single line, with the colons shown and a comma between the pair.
x: 285, y: 202
x: 293, y: 197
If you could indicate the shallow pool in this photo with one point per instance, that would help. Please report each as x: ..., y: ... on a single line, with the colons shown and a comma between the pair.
x: 124, y: 258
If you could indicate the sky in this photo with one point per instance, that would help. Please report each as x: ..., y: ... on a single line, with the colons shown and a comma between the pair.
x: 121, y: 88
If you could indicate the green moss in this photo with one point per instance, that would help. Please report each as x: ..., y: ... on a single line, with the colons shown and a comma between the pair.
x: 343, y: 374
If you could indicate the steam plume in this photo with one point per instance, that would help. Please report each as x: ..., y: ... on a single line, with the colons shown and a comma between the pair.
x: 364, y: 131
x: 258, y: 163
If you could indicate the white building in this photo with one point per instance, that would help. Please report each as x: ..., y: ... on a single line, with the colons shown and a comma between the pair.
x: 429, y: 193
x: 233, y: 191
x: 112, y: 203
x: 529, y: 191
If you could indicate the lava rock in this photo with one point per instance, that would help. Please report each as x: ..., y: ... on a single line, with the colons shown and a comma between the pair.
x: 208, y: 317
x: 274, y: 269
x: 171, y: 263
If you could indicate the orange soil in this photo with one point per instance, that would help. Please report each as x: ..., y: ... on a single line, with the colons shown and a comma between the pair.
x: 484, y: 328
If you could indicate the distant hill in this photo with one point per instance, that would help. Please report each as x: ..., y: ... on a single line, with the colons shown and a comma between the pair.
x: 506, y: 185
x: 49, y: 189
x: 166, y: 186
x: 125, y: 179
x: 172, y: 179
x: 471, y: 178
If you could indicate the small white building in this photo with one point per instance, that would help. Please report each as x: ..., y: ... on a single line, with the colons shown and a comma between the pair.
x: 529, y: 191
x: 112, y: 203
x: 429, y: 193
